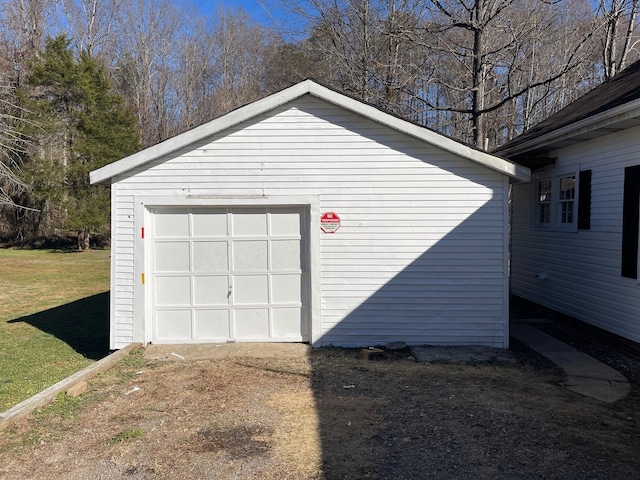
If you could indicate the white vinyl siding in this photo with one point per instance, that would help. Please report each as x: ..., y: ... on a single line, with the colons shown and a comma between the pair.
x: 122, y: 269
x: 583, y: 267
x: 420, y: 254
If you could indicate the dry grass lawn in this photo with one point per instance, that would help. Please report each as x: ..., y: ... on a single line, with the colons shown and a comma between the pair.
x: 324, y: 415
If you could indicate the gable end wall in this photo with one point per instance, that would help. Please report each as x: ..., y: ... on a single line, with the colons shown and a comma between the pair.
x: 419, y: 257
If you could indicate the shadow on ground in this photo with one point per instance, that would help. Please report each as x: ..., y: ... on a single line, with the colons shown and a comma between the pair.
x: 397, y: 419
x: 83, y: 324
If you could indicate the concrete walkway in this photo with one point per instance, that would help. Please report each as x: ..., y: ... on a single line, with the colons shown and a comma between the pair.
x: 585, y: 374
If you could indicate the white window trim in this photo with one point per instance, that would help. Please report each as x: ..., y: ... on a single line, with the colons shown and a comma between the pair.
x: 555, y: 177
x: 144, y: 204
x: 558, y: 225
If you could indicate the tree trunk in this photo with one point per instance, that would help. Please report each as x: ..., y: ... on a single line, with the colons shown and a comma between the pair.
x: 84, y: 237
x: 628, y: 39
x: 478, y: 80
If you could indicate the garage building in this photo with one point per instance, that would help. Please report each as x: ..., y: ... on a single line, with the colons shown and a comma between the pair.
x: 309, y: 216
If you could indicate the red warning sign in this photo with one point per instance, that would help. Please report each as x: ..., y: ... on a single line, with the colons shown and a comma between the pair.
x: 329, y: 222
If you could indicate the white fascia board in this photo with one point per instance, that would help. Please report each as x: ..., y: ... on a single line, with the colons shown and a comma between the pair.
x: 258, y: 107
x: 601, y: 120
x: 198, y: 133
x: 513, y: 170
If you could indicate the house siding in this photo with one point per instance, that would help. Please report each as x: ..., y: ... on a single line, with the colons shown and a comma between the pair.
x: 583, y: 267
x: 420, y: 254
x: 122, y: 269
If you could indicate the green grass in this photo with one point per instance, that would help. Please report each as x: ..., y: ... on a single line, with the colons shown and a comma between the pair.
x: 128, y: 434
x: 53, y: 318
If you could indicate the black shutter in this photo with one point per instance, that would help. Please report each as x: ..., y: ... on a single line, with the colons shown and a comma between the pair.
x: 584, y: 200
x: 630, y: 216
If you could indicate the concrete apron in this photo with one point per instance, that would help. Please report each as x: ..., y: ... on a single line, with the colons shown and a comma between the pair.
x: 585, y: 375
x: 202, y: 351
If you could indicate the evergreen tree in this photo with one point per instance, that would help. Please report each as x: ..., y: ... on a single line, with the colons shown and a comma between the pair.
x: 46, y: 106
x: 83, y: 126
x: 105, y: 131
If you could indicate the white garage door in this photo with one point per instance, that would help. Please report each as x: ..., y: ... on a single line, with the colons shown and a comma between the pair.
x: 227, y: 274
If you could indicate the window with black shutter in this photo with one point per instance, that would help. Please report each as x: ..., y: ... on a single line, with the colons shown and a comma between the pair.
x: 630, y: 217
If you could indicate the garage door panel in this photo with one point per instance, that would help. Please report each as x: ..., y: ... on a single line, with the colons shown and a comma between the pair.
x: 172, y: 257
x: 172, y: 325
x: 285, y: 255
x: 212, y: 325
x: 173, y: 291
x: 210, y: 257
x: 250, y: 289
x: 285, y: 222
x: 249, y: 222
x: 220, y: 274
x: 286, y: 288
x: 171, y: 223
x: 209, y: 223
x: 250, y: 256
x: 211, y: 290
x: 287, y: 322
x: 252, y: 323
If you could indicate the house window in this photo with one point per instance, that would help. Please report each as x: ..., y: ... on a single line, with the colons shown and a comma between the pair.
x: 566, y: 200
x: 560, y: 203
x: 543, y: 207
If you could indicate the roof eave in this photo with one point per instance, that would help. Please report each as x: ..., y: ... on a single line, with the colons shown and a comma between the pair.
x: 615, y: 115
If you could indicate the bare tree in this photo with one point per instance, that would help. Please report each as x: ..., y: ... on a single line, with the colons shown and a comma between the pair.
x: 28, y: 21
x: 146, y: 54
x: 94, y: 26
x: 620, y: 36
x: 548, y: 37
x: 192, y: 76
x: 488, y: 44
x: 287, y: 63
x: 10, y: 148
x: 464, y: 67
x: 365, y: 48
x: 238, y: 48
x: 24, y: 25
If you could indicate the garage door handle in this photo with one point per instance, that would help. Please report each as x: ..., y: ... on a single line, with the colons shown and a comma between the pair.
x: 229, y: 293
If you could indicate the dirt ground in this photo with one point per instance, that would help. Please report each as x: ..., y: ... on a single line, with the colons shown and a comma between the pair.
x: 325, y: 414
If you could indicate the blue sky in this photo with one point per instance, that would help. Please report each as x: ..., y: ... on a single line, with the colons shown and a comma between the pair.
x: 252, y: 7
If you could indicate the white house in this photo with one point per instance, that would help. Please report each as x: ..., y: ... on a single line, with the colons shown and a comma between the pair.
x: 309, y: 216
x: 575, y: 226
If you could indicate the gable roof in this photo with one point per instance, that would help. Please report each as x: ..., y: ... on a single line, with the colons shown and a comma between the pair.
x: 514, y: 171
x: 611, y: 106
